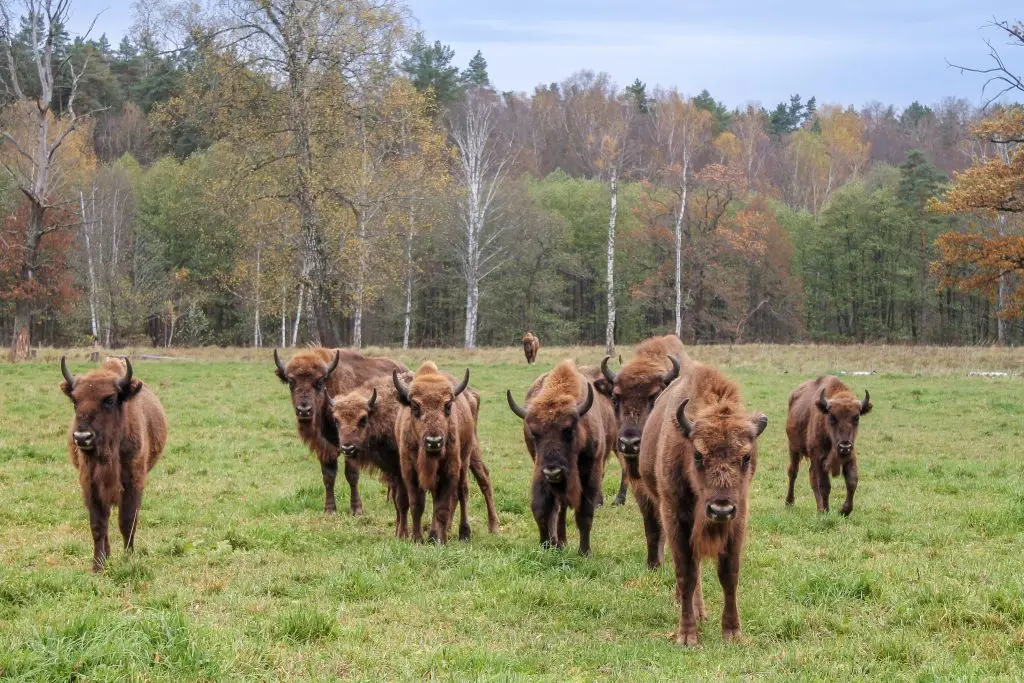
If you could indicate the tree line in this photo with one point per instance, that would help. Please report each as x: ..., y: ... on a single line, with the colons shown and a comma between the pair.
x: 275, y: 173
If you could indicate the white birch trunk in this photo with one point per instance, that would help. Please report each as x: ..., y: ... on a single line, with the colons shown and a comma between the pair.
x: 679, y: 251
x: 87, y: 229
x: 613, y: 186
x: 257, y: 338
x: 357, y: 323
x: 1001, y: 294
x: 284, y: 316
x: 298, y: 315
x: 408, y: 278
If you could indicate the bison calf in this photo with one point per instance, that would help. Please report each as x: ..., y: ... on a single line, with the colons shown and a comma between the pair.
x: 568, y: 434
x: 697, y: 460
x: 313, y: 374
x: 116, y: 436
x: 531, y: 345
x: 366, y: 421
x: 437, y: 440
x: 822, y: 426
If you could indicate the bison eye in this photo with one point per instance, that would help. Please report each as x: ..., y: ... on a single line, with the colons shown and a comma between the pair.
x: 416, y: 411
x: 567, y: 434
x: 746, y: 461
x: 698, y: 460
x: 362, y: 422
x: 108, y: 402
x: 447, y: 408
x: 832, y: 420
x: 856, y: 420
x: 319, y: 385
x: 291, y: 384
x: 617, y: 402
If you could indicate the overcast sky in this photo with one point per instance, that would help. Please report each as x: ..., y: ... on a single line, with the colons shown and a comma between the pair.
x: 894, y: 51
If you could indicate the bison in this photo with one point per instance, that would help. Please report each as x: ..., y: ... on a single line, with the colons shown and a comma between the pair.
x: 633, y: 391
x: 696, y: 464
x: 310, y: 375
x: 531, y: 345
x: 822, y: 426
x: 437, y: 441
x: 365, y: 420
x: 569, y: 434
x: 116, y: 436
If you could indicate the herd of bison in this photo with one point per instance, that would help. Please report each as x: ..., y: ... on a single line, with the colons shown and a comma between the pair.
x: 686, y: 445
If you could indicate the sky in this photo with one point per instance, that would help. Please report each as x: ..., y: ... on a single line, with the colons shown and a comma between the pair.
x: 742, y: 51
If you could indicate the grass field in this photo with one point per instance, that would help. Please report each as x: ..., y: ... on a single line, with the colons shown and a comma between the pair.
x: 239, y: 574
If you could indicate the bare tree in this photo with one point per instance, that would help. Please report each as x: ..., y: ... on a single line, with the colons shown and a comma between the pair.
x: 484, y: 162
x: 35, y: 162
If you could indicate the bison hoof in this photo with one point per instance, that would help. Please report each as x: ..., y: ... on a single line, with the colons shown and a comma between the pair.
x: 846, y: 510
x: 330, y: 509
x: 465, y: 533
x: 356, y: 510
x: 619, y: 500
x: 585, y: 552
x: 789, y: 502
x: 730, y: 635
x: 494, y: 528
x: 688, y: 639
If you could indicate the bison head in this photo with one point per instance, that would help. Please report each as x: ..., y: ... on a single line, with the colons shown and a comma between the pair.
x: 723, y: 448
x: 553, y: 426
x: 352, y: 416
x: 98, y: 397
x: 842, y: 414
x: 306, y: 376
x: 633, y: 392
x: 429, y: 397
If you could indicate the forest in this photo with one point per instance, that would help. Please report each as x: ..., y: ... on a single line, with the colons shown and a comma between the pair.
x: 276, y: 173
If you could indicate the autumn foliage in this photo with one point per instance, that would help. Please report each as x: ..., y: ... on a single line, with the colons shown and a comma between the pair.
x: 53, y: 287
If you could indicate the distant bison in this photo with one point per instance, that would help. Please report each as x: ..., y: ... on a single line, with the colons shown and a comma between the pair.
x: 116, y: 436
x: 437, y: 440
x: 310, y: 375
x: 634, y: 389
x: 569, y: 433
x: 366, y: 419
x: 822, y: 426
x: 697, y: 460
x: 531, y: 345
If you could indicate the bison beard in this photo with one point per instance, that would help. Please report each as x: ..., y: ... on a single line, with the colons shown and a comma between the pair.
x: 313, y: 374
x: 569, y: 433
x: 696, y: 464
x: 116, y: 436
x: 822, y: 426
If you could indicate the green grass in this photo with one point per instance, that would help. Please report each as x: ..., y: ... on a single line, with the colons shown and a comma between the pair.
x: 239, y: 574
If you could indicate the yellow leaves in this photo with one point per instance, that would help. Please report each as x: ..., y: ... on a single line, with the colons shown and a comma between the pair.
x: 73, y: 162
x: 728, y: 147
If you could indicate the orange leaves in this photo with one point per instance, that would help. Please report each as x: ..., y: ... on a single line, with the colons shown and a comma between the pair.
x: 974, y: 262
x: 746, y: 232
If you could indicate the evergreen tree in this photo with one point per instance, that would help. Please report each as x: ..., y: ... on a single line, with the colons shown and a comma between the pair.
x: 475, y: 75
x: 429, y: 67
x: 638, y: 92
x: 722, y: 115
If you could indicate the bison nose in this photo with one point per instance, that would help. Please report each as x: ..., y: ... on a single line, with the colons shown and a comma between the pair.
x: 83, y: 438
x: 553, y: 474
x: 721, y: 510
x: 304, y: 411
x: 844, y: 448
x: 629, y: 445
x: 348, y: 449
x: 433, y: 443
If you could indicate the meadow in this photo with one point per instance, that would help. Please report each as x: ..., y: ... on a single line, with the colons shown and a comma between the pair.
x: 238, y: 573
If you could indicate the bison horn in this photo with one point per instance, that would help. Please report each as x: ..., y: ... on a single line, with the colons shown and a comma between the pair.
x: 279, y: 364
x: 586, y: 404
x: 673, y: 373
x: 68, y: 377
x: 462, y: 386
x: 822, y: 402
x: 127, y: 379
x: 865, y: 405
x: 333, y: 365
x: 608, y: 374
x: 372, y: 401
x: 515, y: 406
x: 685, y: 425
x: 403, y: 391
x: 760, y: 424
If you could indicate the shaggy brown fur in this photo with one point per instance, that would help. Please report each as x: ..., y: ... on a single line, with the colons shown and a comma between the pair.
x: 634, y: 389
x: 822, y: 426
x: 366, y: 437
x: 310, y: 378
x: 437, y: 441
x: 116, y: 436
x: 696, y: 465
x: 569, y: 432
x: 531, y: 345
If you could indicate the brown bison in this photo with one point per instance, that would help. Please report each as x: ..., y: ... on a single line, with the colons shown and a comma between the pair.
x: 696, y: 464
x: 531, y: 345
x: 116, y: 436
x: 437, y: 440
x: 822, y: 426
x: 310, y: 375
x: 634, y: 389
x: 569, y: 434
x: 366, y: 419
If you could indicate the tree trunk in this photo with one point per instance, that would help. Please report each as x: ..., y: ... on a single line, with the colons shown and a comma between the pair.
x: 284, y: 314
x: 679, y: 253
x: 357, y: 323
x: 472, y: 268
x: 609, y: 335
x: 86, y: 230
x: 298, y: 314
x: 922, y: 296
x: 408, y: 278
x: 1001, y: 293
x: 257, y: 338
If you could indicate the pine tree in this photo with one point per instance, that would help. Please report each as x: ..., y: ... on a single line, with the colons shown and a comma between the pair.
x: 475, y: 75
x: 638, y: 92
x: 429, y: 67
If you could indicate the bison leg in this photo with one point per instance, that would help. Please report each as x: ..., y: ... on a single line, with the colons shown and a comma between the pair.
x: 652, y: 530
x: 850, y: 475
x: 620, y: 497
x: 401, y: 500
x: 544, y: 507
x: 99, y: 520
x: 483, y: 480
x: 128, y: 514
x: 445, y: 496
x: 687, y: 568
x: 352, y: 477
x: 329, y: 470
x: 816, y: 473
x: 728, y: 576
x: 465, y: 532
x: 794, y: 469
x: 584, y: 522
x: 417, y: 501
x: 824, y: 486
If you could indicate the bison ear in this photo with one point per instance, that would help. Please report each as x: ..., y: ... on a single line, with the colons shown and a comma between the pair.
x: 760, y: 422
x: 603, y: 386
x: 865, y: 405
x: 129, y: 390
x: 65, y: 387
x: 822, y: 402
